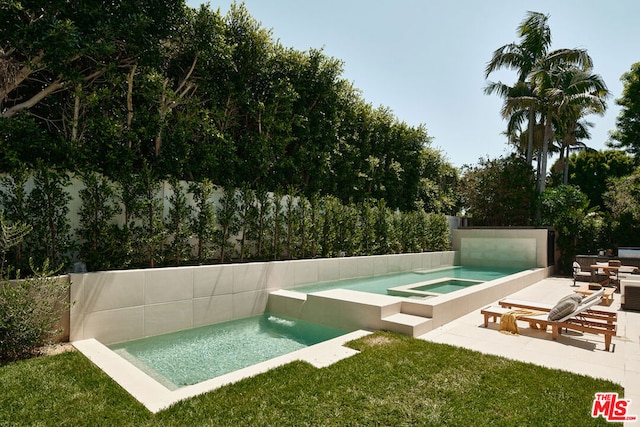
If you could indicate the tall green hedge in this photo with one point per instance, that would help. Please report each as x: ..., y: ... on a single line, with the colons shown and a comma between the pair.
x: 141, y: 222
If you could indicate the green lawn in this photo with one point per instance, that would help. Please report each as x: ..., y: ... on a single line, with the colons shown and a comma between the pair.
x: 394, y: 381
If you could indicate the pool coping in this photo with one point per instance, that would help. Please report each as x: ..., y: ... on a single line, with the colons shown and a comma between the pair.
x: 410, y: 289
x: 155, y: 396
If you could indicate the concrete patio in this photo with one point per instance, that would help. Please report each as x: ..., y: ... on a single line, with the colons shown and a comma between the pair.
x: 575, y: 352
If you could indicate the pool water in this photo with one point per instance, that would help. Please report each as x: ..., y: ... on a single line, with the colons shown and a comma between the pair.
x: 380, y: 284
x: 446, y: 286
x: 188, y: 357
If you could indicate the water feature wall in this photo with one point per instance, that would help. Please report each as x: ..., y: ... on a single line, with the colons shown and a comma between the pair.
x: 115, y: 306
x: 498, y: 247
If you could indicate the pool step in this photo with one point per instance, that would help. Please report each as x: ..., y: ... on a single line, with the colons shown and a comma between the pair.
x: 408, y: 324
x: 351, y: 310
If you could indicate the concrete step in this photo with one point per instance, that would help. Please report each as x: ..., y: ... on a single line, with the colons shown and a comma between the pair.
x: 407, y: 324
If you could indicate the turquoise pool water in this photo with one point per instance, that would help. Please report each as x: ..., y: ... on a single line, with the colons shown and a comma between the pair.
x: 446, y: 286
x: 188, y: 357
x: 380, y: 284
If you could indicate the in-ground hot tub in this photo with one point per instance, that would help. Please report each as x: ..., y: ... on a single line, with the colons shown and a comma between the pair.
x: 435, y: 287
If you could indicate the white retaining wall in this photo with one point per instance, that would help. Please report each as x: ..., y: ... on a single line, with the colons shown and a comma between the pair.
x: 116, y: 306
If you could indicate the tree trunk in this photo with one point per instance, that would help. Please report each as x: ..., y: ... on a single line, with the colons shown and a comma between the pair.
x: 130, y: 98
x: 532, y: 118
x: 565, y: 179
x: 76, y: 113
x: 544, y: 154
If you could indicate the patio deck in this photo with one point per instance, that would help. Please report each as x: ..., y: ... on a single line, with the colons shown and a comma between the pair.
x: 574, y: 352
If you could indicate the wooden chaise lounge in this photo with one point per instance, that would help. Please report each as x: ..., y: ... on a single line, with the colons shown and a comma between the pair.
x: 583, y: 319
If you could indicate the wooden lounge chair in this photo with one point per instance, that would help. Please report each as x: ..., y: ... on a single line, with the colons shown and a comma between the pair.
x: 582, y: 319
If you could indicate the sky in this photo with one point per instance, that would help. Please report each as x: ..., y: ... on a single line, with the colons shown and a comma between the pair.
x: 425, y: 59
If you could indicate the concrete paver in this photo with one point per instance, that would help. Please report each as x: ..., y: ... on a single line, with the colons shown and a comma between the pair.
x: 574, y: 352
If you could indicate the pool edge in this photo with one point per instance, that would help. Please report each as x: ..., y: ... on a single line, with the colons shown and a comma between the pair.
x: 155, y: 397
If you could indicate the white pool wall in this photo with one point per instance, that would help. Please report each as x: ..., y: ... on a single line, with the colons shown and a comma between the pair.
x: 116, y: 306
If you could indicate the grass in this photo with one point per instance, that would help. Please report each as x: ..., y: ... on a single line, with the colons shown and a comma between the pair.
x: 394, y: 381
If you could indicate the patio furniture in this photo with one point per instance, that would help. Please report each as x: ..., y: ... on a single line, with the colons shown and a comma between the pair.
x: 607, y: 295
x: 601, y: 315
x: 630, y: 294
x: 577, y: 272
x: 611, y: 271
x: 578, y: 319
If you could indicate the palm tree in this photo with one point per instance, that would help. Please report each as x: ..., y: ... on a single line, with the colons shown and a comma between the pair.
x: 564, y: 93
x: 531, y: 58
x: 570, y: 137
x: 535, y: 41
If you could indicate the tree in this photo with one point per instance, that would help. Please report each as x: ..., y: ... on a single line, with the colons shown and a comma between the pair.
x: 562, y: 92
x: 623, y: 201
x: 54, y: 48
x: 98, y: 234
x: 569, y: 94
x: 203, y: 221
x: 439, y: 183
x: 178, y: 248
x: 592, y: 170
x: 627, y: 133
x: 555, y: 84
x: 499, y: 192
x: 10, y: 235
x: 535, y: 37
x: 566, y: 209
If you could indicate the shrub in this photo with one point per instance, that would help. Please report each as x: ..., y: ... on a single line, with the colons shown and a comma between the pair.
x: 100, y: 247
x: 48, y: 214
x: 30, y: 309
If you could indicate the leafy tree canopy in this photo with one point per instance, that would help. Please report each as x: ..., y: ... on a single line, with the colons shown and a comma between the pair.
x: 591, y: 170
x: 193, y: 95
x: 499, y: 192
x: 627, y: 133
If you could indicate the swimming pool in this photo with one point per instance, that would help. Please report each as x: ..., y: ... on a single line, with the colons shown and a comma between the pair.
x: 382, y: 284
x: 189, y: 357
x: 432, y: 288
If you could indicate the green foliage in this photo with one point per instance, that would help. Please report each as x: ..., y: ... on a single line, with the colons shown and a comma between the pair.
x: 590, y: 170
x: 228, y: 224
x: 98, y: 234
x: 623, y: 201
x: 382, y: 229
x: 13, y: 199
x: 276, y: 234
x: 291, y: 224
x: 10, y: 236
x: 128, y: 224
x: 578, y: 230
x: 146, y: 220
x: 200, y: 96
x: 437, y: 233
x: 30, y: 310
x: 246, y: 218
x: 499, y: 192
x: 439, y: 183
x: 627, y: 132
x: 178, y: 247
x: 304, y: 221
x: 48, y: 214
x: 203, y: 223
x: 263, y: 223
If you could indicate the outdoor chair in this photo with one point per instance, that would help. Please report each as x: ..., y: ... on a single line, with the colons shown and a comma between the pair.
x: 577, y: 272
x: 572, y: 312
